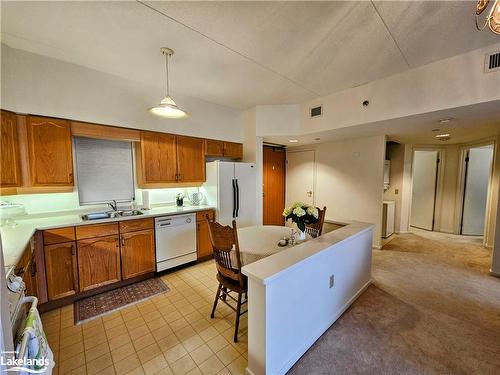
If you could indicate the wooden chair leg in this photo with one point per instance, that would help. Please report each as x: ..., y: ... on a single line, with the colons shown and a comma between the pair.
x: 216, y: 300
x: 237, y: 323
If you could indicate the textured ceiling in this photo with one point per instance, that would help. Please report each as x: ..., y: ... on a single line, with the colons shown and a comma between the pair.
x: 241, y: 54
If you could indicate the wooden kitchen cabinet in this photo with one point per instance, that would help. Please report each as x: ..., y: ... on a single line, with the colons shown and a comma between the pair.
x: 98, y: 262
x: 10, y: 164
x: 61, y: 270
x: 233, y: 150
x: 214, y: 147
x: 156, y: 159
x: 190, y: 159
x: 137, y: 253
x: 203, y: 244
x: 26, y: 269
x: 49, y: 151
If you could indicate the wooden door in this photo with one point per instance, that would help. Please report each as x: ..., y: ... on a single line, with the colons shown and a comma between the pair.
x: 233, y: 150
x: 190, y: 159
x: 50, y: 155
x: 137, y: 253
x: 10, y: 167
x: 98, y: 262
x: 156, y: 159
x: 214, y: 147
x: 274, y: 185
x: 203, y: 244
x: 61, y: 270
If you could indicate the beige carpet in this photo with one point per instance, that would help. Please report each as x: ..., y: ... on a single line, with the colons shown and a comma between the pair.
x: 433, y: 309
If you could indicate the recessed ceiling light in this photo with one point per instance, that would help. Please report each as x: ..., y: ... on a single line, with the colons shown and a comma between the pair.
x: 445, y: 120
x: 293, y: 140
x: 436, y: 130
x: 444, y: 135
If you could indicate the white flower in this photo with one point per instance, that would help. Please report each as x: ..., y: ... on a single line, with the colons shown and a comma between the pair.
x: 313, y: 211
x: 287, y: 211
x: 299, y: 211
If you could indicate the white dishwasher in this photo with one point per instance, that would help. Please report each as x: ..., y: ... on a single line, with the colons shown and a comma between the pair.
x: 175, y: 240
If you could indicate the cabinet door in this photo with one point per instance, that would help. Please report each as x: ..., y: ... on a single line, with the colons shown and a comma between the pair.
x: 98, y: 262
x: 157, y: 163
x: 10, y: 167
x: 233, y: 150
x: 61, y: 270
x: 203, y: 244
x: 50, y: 155
x: 214, y: 147
x: 190, y: 159
x: 137, y: 253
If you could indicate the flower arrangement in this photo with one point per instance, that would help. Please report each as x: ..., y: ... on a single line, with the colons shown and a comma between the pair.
x: 301, y: 214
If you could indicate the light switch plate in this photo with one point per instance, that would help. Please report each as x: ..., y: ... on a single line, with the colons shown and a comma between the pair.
x: 332, y: 281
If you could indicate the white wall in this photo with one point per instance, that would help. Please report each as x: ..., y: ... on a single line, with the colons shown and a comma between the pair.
x: 276, y: 120
x: 495, y: 260
x: 448, y: 83
x: 39, y: 85
x: 349, y: 180
x: 396, y: 154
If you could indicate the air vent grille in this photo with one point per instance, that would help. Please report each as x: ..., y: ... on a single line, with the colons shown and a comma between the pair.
x: 492, y: 62
x: 316, y: 111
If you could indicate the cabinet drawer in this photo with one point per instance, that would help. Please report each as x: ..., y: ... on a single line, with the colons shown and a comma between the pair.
x: 96, y: 230
x: 136, y: 225
x: 201, y: 215
x: 58, y: 235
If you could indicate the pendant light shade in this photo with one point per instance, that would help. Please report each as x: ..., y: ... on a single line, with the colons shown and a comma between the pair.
x: 167, y: 107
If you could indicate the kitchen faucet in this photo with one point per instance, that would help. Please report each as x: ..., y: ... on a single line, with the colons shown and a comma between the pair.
x: 113, y: 205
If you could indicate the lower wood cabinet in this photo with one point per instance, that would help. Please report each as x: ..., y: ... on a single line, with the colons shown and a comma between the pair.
x: 61, y: 270
x: 98, y: 262
x: 203, y: 244
x: 26, y: 269
x: 137, y: 253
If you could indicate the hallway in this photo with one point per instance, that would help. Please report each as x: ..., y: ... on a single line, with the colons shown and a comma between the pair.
x: 433, y: 308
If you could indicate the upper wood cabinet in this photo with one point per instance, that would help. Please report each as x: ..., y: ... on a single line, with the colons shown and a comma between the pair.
x: 49, y: 150
x: 190, y: 159
x: 214, y: 147
x: 61, y: 270
x: 156, y: 159
x: 10, y: 167
x: 98, y: 262
x: 233, y: 150
x: 137, y: 253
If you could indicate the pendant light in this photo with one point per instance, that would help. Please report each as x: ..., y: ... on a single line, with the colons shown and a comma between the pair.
x: 167, y: 107
x: 492, y: 19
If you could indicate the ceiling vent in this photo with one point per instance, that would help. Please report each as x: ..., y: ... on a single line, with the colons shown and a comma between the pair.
x: 316, y: 111
x: 492, y: 62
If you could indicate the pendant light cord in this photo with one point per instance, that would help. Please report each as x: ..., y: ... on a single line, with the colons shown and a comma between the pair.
x: 166, y: 69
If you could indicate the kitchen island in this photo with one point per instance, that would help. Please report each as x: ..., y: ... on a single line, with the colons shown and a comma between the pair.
x: 297, y: 294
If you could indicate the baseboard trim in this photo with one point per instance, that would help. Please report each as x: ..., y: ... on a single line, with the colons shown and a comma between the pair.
x: 288, y: 365
x: 494, y: 274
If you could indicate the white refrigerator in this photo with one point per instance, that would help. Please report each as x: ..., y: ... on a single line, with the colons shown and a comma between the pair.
x: 231, y: 188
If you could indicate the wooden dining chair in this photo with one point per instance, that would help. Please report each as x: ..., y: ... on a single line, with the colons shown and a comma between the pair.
x: 226, y: 253
x: 315, y: 230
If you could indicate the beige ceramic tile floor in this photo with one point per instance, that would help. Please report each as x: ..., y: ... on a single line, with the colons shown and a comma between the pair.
x: 171, y: 333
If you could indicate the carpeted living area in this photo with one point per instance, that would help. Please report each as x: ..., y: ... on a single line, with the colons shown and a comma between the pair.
x: 433, y: 309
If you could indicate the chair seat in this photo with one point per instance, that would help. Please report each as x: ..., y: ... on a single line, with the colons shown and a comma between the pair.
x: 232, y: 284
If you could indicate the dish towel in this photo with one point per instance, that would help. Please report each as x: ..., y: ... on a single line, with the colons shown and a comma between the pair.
x: 38, y: 358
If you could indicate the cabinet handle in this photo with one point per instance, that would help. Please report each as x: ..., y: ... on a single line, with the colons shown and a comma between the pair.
x: 73, y: 250
x: 123, y: 241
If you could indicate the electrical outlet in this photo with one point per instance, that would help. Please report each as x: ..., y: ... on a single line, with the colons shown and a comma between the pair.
x: 396, y: 191
x: 332, y: 281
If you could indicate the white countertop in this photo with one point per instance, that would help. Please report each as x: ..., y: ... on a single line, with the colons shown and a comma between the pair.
x: 15, y: 239
x: 267, y: 269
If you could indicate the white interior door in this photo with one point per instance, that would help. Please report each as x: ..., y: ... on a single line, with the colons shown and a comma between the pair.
x: 424, y: 177
x: 476, y: 189
x: 300, y: 177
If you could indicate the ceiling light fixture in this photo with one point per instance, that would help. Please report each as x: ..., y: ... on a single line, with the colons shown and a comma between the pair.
x: 492, y: 20
x: 293, y: 140
x: 445, y: 120
x: 167, y: 107
x: 443, y: 137
x: 436, y: 130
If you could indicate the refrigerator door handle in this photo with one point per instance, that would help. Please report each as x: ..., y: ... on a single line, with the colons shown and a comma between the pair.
x: 237, y: 198
x: 234, y: 198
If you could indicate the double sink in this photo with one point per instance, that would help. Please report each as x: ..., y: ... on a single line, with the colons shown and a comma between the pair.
x: 110, y: 214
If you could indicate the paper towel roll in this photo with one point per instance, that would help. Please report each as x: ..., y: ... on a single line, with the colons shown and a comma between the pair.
x: 146, y: 204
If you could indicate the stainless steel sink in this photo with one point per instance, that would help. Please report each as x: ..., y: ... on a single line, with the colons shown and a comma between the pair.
x: 110, y: 214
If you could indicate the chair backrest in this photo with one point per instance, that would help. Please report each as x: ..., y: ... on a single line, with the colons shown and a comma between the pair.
x: 316, y: 229
x: 226, y: 250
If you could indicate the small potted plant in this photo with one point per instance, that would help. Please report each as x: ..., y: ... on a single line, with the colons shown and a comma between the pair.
x: 179, y: 199
x: 301, y: 214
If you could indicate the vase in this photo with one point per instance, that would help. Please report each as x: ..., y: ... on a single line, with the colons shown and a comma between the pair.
x: 302, y: 235
x: 179, y: 202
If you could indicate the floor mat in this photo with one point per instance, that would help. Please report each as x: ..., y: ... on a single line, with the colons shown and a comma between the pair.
x: 107, y: 302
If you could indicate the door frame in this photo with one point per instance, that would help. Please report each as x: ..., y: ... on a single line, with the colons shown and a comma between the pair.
x: 314, y: 170
x: 461, y: 185
x: 438, y: 195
